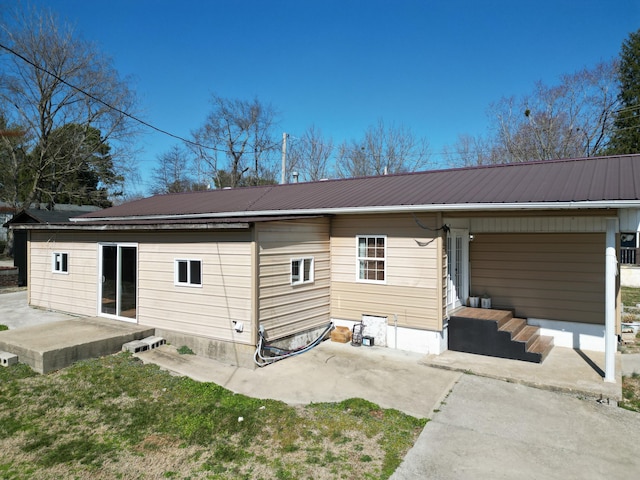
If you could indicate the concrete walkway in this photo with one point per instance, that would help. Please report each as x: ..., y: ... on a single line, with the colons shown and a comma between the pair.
x: 565, y: 370
x: 330, y: 372
x: 490, y: 429
x: 630, y: 364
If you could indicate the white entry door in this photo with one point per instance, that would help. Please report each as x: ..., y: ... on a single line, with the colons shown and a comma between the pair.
x: 457, y: 268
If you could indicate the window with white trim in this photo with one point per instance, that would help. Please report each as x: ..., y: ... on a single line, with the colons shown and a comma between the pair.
x: 301, y: 270
x: 60, y: 262
x: 371, y: 254
x: 188, y: 272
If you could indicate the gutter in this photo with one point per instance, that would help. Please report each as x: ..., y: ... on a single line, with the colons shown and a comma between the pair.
x: 463, y: 207
x: 154, y: 227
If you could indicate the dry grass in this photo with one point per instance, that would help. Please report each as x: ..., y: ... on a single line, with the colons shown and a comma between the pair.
x: 631, y: 393
x: 630, y: 296
x: 117, y: 418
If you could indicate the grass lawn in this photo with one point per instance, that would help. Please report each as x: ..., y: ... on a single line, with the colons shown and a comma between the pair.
x: 630, y: 296
x: 631, y: 393
x: 631, y: 385
x: 114, y: 417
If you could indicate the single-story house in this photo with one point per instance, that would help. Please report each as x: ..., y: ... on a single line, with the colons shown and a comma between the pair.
x: 213, y: 269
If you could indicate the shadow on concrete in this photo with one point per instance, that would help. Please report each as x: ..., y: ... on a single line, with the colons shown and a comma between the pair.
x: 590, y: 362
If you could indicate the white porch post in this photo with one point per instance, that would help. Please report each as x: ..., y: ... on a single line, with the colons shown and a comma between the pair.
x: 611, y: 267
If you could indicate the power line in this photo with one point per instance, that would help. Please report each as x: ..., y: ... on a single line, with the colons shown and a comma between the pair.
x: 111, y: 107
x: 197, y: 144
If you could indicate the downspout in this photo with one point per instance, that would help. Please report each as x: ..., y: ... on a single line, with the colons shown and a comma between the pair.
x: 28, y: 275
x: 611, y: 267
x: 255, y: 285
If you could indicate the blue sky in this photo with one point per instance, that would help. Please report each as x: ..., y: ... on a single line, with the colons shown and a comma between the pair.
x: 433, y: 66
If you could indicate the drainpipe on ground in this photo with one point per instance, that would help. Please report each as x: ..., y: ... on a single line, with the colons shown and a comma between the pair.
x: 611, y: 267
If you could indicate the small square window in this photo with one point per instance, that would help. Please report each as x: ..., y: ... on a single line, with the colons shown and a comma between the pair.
x: 301, y: 270
x: 60, y: 262
x: 188, y: 272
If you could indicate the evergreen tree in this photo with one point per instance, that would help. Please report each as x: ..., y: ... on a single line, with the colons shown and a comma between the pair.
x: 626, y: 133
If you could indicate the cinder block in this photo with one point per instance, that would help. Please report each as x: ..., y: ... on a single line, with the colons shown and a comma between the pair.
x: 153, y: 342
x: 135, y: 346
x: 7, y: 359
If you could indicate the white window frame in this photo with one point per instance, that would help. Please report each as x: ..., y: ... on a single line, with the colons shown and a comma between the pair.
x: 176, y: 272
x: 57, y: 262
x: 361, y: 259
x: 300, y: 279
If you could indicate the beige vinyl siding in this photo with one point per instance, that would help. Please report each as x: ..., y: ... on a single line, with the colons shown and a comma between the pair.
x: 413, y: 286
x: 209, y: 310
x: 549, y: 276
x: 442, y: 291
x: 74, y: 292
x: 286, y: 309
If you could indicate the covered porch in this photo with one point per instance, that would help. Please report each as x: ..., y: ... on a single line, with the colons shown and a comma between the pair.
x: 556, y: 270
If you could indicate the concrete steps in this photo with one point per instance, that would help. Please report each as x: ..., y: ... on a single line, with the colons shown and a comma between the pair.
x: 497, y: 333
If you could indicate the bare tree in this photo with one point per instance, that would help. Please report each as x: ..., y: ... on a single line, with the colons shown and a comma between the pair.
x: 571, y: 119
x: 469, y: 151
x: 172, y: 173
x: 383, y: 150
x: 50, y: 80
x: 310, y: 155
x: 240, y: 134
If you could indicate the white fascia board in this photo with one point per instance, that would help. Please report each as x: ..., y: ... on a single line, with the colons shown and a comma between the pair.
x: 456, y: 207
x: 176, y: 226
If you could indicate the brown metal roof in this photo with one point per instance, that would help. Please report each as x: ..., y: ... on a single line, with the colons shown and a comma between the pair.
x: 34, y: 215
x: 598, y: 179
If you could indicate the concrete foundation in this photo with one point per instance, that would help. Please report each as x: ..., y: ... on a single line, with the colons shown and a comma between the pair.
x: 226, y: 352
x: 581, y: 336
x: 406, y: 339
x: 299, y: 340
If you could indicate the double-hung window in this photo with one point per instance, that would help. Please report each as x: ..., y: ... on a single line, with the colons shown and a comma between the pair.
x: 301, y: 270
x: 60, y: 262
x: 188, y: 272
x: 371, y: 254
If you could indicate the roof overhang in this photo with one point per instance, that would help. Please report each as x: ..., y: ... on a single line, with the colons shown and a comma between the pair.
x: 146, y: 226
x: 468, y: 207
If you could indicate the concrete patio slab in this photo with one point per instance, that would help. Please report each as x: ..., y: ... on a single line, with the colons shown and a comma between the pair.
x: 15, y: 312
x: 55, y: 345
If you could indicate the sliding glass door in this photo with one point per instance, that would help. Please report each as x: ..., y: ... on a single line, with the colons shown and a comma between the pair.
x: 118, y: 280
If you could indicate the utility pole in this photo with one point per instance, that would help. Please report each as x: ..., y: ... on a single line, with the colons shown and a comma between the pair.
x: 283, y: 179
